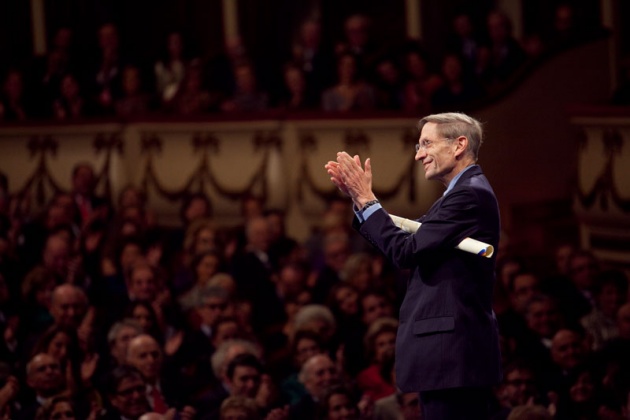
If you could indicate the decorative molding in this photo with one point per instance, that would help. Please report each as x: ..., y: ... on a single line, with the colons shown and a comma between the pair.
x: 40, y: 147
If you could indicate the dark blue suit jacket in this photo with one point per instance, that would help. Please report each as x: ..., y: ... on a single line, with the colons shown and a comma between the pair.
x: 448, y: 335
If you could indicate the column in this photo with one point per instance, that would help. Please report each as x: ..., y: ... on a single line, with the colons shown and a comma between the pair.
x: 38, y: 27
x: 413, y: 16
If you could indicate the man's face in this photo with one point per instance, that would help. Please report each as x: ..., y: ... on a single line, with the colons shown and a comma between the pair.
x: 121, y: 343
x: 320, y: 374
x: 145, y: 354
x: 131, y: 398
x: 67, y: 308
x: 44, y: 375
x: 211, y: 308
x: 437, y: 155
x: 245, y: 381
x: 525, y: 287
x: 583, y: 269
x: 142, y: 284
x: 519, y: 387
x: 543, y: 318
x: 567, y: 349
x: 375, y: 307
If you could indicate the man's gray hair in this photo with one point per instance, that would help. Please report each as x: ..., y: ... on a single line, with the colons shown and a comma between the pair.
x: 454, y: 124
x: 219, y: 360
x: 210, y: 292
x: 313, y: 312
x: 118, y: 326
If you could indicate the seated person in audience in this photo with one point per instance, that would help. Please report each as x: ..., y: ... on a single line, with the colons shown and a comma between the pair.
x: 205, y: 265
x: 458, y: 89
x: 350, y: 93
x: 118, y: 338
x: 610, y: 291
x: 296, y: 96
x: 317, y: 375
x: 582, y: 396
x: 105, y: 78
x: 464, y: 41
x: 44, y: 379
x: 421, y: 82
x: 399, y: 405
x: 57, y: 408
x: 315, y: 59
x: 343, y: 300
x: 247, y: 97
x: 506, y: 55
x: 170, y: 71
x: 522, y: 286
x: 305, y: 343
x: 238, y: 407
x: 192, y: 98
x: 133, y: 101
x: 389, y: 84
x: 614, y: 356
x: 143, y: 313
x: 12, y: 101
x: 126, y: 394
x: 569, y: 351
x: 358, y: 42
x: 338, y: 402
x: 519, y: 387
x: 70, y: 103
x: 543, y: 321
x: 358, y: 272
x: 336, y: 248
x: 200, y: 238
x: 380, y: 340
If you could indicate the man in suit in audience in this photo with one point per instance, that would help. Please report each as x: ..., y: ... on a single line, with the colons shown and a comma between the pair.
x: 448, y: 339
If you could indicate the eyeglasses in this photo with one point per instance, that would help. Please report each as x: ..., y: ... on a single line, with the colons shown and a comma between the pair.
x: 425, y: 144
x: 127, y: 392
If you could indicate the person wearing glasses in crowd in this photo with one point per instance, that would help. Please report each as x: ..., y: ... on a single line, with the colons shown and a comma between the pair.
x: 447, y: 346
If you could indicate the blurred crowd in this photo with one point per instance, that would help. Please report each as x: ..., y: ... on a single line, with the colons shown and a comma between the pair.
x: 360, y: 72
x: 106, y: 314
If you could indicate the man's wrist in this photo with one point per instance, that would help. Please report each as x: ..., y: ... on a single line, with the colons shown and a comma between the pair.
x: 367, y: 204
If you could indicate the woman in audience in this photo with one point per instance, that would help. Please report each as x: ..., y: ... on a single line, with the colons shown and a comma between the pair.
x: 379, y: 341
x: 350, y: 93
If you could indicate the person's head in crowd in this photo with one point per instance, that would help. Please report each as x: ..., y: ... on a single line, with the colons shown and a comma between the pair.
x: 304, y: 345
x: 228, y: 351
x: 145, y: 354
x: 562, y: 254
x: 243, y: 375
x: 13, y: 93
x: 59, y: 407
x: 507, y: 266
x: 358, y: 272
x: 225, y: 282
x: 142, y: 282
x: 338, y: 403
x: 374, y: 305
x: 347, y: 72
x: 564, y: 19
x: 68, y: 305
x: 530, y: 412
x: 131, y: 81
x: 108, y: 40
x: 38, y: 287
x: 195, y: 207
x: 344, y: 300
x: 212, y: 302
x: 416, y: 65
x: 126, y: 392
x: 205, y: 265
x: 623, y: 321
x: 175, y: 46
x: 131, y: 196
x: 519, y: 385
x: 499, y: 27
x: 61, y: 343
x: 523, y: 285
x: 542, y: 316
x: 452, y: 69
x: 44, y: 376
x: 583, y: 391
x: 583, y: 268
x: 294, y: 81
x: 83, y: 179
x: 568, y: 349
x: 310, y: 34
x: 56, y: 254
x: 317, y: 374
x: 387, y: 71
x: 291, y: 279
x: 119, y: 336
x: 293, y: 304
x: 69, y: 94
x: 56, y: 215
x: 610, y: 291
x: 245, y: 79
x: 129, y: 251
x: 252, y: 206
x: 224, y: 328
x: 318, y: 318
x: 276, y: 219
x: 380, y: 339
x: 357, y: 32
x: 463, y: 26
x: 201, y: 236
x: 337, y: 250
x: 257, y: 234
x: 143, y: 313
x: 239, y: 408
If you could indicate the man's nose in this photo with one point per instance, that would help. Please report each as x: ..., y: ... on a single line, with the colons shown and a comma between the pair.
x: 421, y: 154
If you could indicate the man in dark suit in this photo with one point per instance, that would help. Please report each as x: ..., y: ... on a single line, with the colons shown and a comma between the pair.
x: 447, y: 346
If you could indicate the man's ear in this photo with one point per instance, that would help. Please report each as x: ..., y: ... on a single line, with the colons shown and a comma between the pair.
x: 462, y: 145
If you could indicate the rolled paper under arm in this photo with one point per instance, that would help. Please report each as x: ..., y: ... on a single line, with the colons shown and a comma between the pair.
x: 468, y: 244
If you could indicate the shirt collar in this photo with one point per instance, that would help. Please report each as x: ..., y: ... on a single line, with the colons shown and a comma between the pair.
x: 451, y: 184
